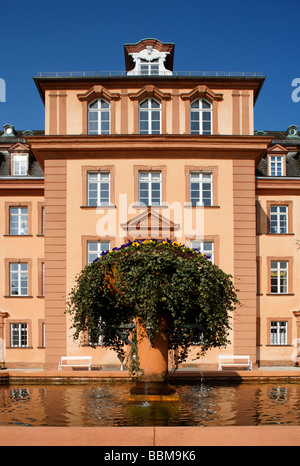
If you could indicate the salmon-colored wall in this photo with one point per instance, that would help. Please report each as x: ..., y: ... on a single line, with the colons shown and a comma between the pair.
x: 277, y: 307
x: 66, y: 114
x: 86, y: 222
x: 23, y: 309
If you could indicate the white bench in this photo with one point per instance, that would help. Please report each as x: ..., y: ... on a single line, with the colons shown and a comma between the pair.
x: 76, y: 361
x: 243, y: 361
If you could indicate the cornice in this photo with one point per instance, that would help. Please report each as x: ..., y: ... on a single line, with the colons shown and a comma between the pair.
x: 11, y: 184
x: 143, y: 146
x: 278, y: 185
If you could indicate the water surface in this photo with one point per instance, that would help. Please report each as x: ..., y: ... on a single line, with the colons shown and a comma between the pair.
x: 105, y: 404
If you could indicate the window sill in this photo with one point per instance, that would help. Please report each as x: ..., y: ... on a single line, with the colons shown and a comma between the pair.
x: 112, y: 206
x: 282, y: 346
x: 143, y: 206
x: 19, y: 347
x: 280, y: 234
x: 280, y: 294
x: 40, y: 296
x: 18, y: 297
x: 18, y: 236
x: 200, y: 206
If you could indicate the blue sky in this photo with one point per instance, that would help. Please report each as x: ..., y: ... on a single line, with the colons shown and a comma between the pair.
x: 211, y: 35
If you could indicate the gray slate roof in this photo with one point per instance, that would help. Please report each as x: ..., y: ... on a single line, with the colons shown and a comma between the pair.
x: 34, y: 169
x: 292, y: 157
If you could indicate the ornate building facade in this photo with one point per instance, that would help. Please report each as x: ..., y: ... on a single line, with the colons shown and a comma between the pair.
x: 148, y: 153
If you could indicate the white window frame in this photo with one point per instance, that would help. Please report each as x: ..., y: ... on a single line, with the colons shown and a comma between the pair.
x: 278, y: 219
x: 149, y: 68
x: 97, y: 115
x: 275, y: 165
x: 101, y: 178
x: 278, y: 333
x: 149, y: 179
x: 201, y: 178
x: 197, y: 114
x: 101, y: 246
x: 279, y: 277
x: 19, y: 335
x: 20, y: 164
x: 20, y: 214
x: 18, y: 273
x: 204, y: 247
x: 148, y: 116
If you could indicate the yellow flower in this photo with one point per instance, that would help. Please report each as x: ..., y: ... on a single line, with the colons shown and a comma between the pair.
x: 146, y: 242
x: 176, y: 244
x: 135, y: 244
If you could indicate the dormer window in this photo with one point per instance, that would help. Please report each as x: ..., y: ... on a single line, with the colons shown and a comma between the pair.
x: 275, y: 165
x: 19, y: 164
x: 9, y: 131
x: 292, y: 132
x: 149, y: 62
x: 149, y: 68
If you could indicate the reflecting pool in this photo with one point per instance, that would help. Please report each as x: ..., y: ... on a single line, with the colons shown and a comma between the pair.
x: 105, y: 404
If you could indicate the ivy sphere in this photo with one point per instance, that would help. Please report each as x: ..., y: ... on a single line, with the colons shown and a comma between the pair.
x: 148, y: 281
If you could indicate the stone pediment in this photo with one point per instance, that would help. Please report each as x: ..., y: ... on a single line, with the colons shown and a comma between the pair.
x: 19, y: 148
x: 150, y: 223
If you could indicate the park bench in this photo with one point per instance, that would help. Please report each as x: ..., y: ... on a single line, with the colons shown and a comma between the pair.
x: 75, y: 361
x: 232, y: 361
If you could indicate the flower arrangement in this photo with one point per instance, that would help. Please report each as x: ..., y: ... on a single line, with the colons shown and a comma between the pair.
x: 154, y: 243
x: 149, y: 280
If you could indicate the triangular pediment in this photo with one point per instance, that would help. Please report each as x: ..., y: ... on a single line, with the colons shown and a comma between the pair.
x: 150, y: 223
x: 277, y: 149
x: 18, y: 147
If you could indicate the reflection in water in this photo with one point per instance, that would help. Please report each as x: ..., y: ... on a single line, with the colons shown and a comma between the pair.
x: 106, y: 404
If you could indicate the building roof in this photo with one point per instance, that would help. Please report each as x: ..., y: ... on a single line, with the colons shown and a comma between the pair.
x: 34, y: 168
x: 291, y: 144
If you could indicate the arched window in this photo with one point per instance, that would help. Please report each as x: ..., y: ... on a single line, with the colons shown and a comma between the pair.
x: 99, y: 117
x: 149, y: 117
x: 201, y: 117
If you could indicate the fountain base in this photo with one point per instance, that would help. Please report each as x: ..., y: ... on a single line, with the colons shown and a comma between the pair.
x: 153, y: 391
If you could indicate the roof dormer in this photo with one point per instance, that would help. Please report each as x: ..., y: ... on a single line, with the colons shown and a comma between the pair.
x: 9, y: 131
x: 149, y: 57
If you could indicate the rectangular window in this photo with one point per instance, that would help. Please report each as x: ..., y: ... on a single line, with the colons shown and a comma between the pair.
x: 18, y: 279
x: 100, y: 339
x: 150, y: 188
x: 279, y: 277
x: 43, y: 335
x: 206, y: 247
x: 278, y: 219
x: 43, y: 278
x: 20, y: 165
x: 98, y: 189
x: 278, y: 335
x: 94, y: 249
x: 200, y: 189
x: 276, y: 166
x: 19, y: 335
x: 18, y: 221
x: 43, y: 221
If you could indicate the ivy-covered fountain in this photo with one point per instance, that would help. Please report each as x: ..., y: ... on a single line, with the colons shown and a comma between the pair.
x: 154, y: 296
